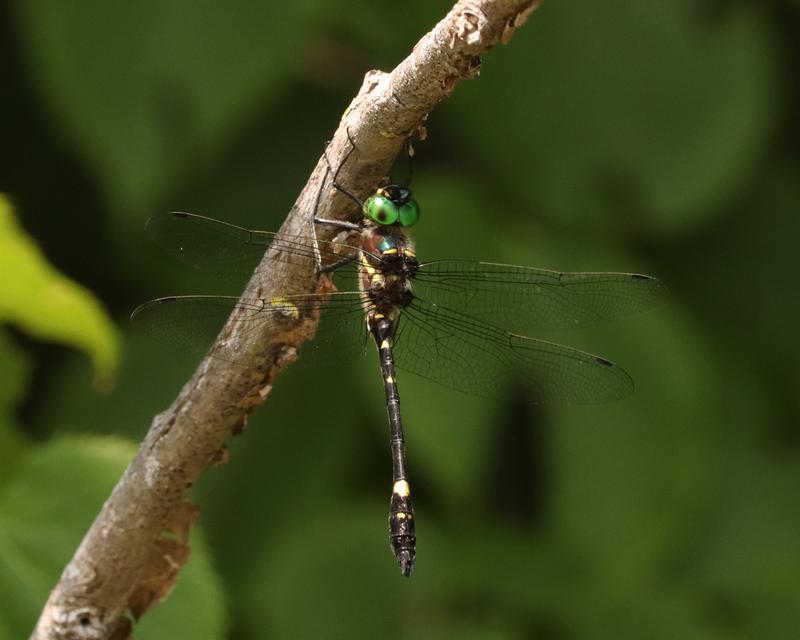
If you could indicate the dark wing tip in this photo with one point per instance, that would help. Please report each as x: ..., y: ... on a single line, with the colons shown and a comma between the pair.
x: 623, y: 387
x: 655, y: 284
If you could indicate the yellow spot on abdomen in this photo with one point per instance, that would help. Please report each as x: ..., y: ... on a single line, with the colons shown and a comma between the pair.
x: 401, y: 488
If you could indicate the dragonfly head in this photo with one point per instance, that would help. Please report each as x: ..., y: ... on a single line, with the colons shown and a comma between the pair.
x: 391, y: 205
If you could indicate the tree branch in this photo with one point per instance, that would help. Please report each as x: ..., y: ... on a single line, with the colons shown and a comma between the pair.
x: 131, y: 556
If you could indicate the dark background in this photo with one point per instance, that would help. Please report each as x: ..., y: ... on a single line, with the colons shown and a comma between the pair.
x: 644, y: 136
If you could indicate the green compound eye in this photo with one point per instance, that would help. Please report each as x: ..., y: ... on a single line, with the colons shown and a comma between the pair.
x: 381, y: 210
x: 409, y: 214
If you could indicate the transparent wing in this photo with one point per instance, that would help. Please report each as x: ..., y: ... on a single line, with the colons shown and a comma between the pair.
x: 192, y: 323
x: 460, y: 352
x: 234, y: 252
x: 525, y: 297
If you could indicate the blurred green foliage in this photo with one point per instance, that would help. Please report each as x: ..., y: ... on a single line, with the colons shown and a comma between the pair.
x: 43, y: 516
x: 654, y: 137
x: 46, y: 305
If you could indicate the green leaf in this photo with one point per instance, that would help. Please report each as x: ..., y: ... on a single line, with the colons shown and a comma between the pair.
x: 745, y: 558
x: 44, y: 514
x: 196, y: 607
x: 625, y: 113
x: 129, y: 407
x: 150, y: 90
x: 747, y: 263
x: 13, y: 375
x: 630, y: 474
x: 46, y: 304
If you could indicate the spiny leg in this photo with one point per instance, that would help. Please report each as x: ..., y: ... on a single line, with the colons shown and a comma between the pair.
x: 339, y: 224
x: 402, y: 528
x: 330, y: 268
x: 336, y: 184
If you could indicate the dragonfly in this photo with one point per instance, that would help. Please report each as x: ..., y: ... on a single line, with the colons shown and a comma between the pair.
x: 448, y: 321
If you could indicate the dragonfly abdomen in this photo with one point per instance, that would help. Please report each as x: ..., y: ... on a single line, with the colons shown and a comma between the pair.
x: 402, y: 529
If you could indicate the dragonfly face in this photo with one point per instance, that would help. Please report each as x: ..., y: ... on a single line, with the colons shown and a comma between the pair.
x: 392, y: 205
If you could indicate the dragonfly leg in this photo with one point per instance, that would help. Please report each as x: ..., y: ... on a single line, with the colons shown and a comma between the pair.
x: 341, y: 224
x: 336, y: 184
x: 329, y: 268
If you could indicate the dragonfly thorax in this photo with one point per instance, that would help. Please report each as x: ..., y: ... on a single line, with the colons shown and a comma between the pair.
x: 387, y: 265
x: 389, y: 251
